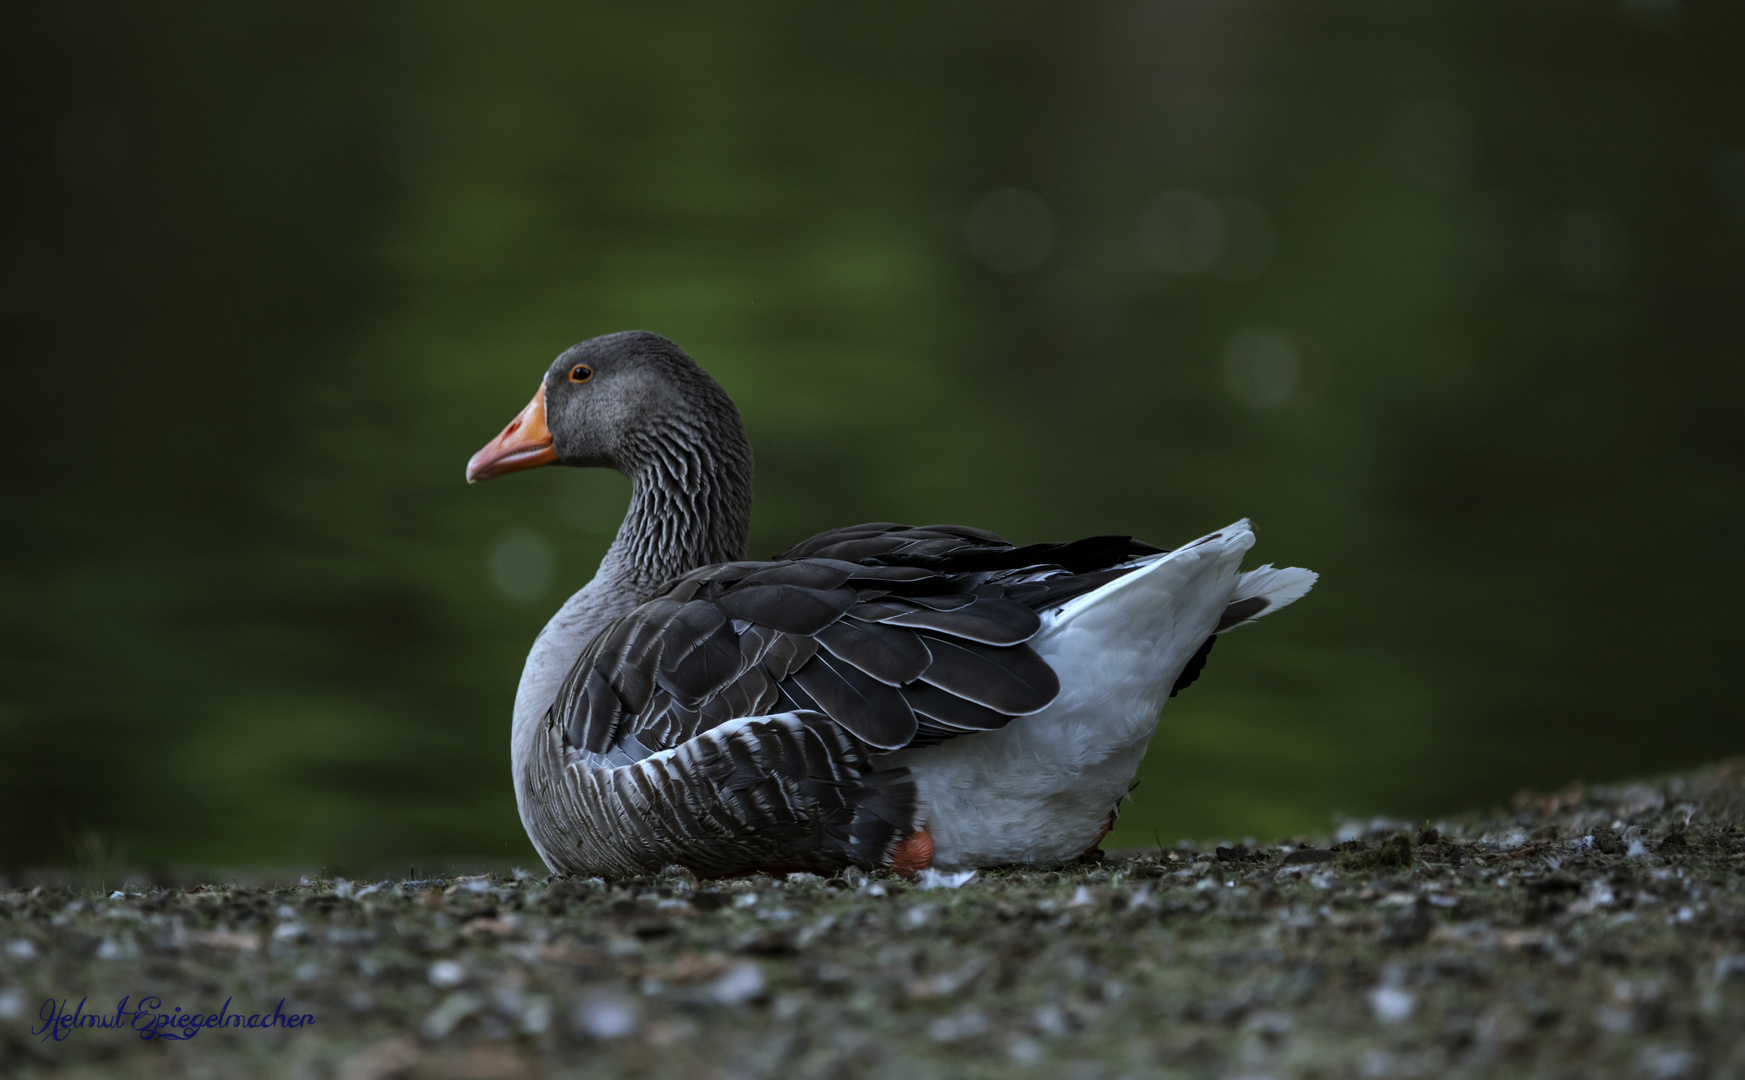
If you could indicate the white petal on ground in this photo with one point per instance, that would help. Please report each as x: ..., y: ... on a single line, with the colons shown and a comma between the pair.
x: 938, y: 879
x: 447, y: 973
x: 604, y: 1015
x: 738, y: 984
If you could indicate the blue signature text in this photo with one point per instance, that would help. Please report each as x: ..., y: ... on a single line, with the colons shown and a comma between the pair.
x: 152, y: 1021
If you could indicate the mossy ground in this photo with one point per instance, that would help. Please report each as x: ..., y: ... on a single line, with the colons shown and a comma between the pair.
x: 1597, y: 933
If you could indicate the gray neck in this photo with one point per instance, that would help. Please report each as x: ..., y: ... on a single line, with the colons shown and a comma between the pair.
x: 690, y: 506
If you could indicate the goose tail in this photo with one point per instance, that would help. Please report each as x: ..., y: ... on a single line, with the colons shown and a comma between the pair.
x: 1263, y: 591
x: 1146, y: 634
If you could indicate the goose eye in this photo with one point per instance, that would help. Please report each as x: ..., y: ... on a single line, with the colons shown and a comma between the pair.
x: 581, y: 373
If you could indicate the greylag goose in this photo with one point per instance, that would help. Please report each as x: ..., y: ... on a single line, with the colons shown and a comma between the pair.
x: 880, y: 696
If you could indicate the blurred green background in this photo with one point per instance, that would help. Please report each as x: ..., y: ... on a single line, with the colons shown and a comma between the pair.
x: 1447, y: 297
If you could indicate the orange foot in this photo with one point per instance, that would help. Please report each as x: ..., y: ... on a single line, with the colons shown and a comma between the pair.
x: 913, y: 854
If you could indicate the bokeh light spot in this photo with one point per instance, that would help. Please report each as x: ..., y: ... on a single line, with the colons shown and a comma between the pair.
x: 521, y: 564
x: 1010, y: 230
x: 1181, y: 231
x: 1261, y: 368
x: 1185, y: 233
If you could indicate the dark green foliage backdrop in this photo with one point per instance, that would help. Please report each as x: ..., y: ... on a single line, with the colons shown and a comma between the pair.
x: 1444, y: 296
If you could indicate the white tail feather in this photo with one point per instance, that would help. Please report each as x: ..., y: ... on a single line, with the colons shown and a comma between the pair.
x: 1232, y: 540
x: 1277, y: 586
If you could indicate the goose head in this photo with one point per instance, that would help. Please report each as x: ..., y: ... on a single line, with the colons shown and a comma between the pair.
x: 610, y: 402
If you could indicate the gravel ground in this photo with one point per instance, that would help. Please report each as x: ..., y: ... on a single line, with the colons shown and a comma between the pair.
x: 1596, y: 933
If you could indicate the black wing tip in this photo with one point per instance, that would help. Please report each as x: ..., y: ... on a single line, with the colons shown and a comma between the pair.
x: 1242, y: 611
x: 1196, y: 664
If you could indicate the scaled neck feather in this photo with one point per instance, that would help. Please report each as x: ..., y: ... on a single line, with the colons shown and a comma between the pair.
x: 690, y: 502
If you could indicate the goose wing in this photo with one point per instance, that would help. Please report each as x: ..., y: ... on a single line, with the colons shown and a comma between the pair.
x: 901, y: 636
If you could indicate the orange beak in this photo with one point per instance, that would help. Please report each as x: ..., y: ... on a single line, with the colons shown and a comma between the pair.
x: 524, y: 444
